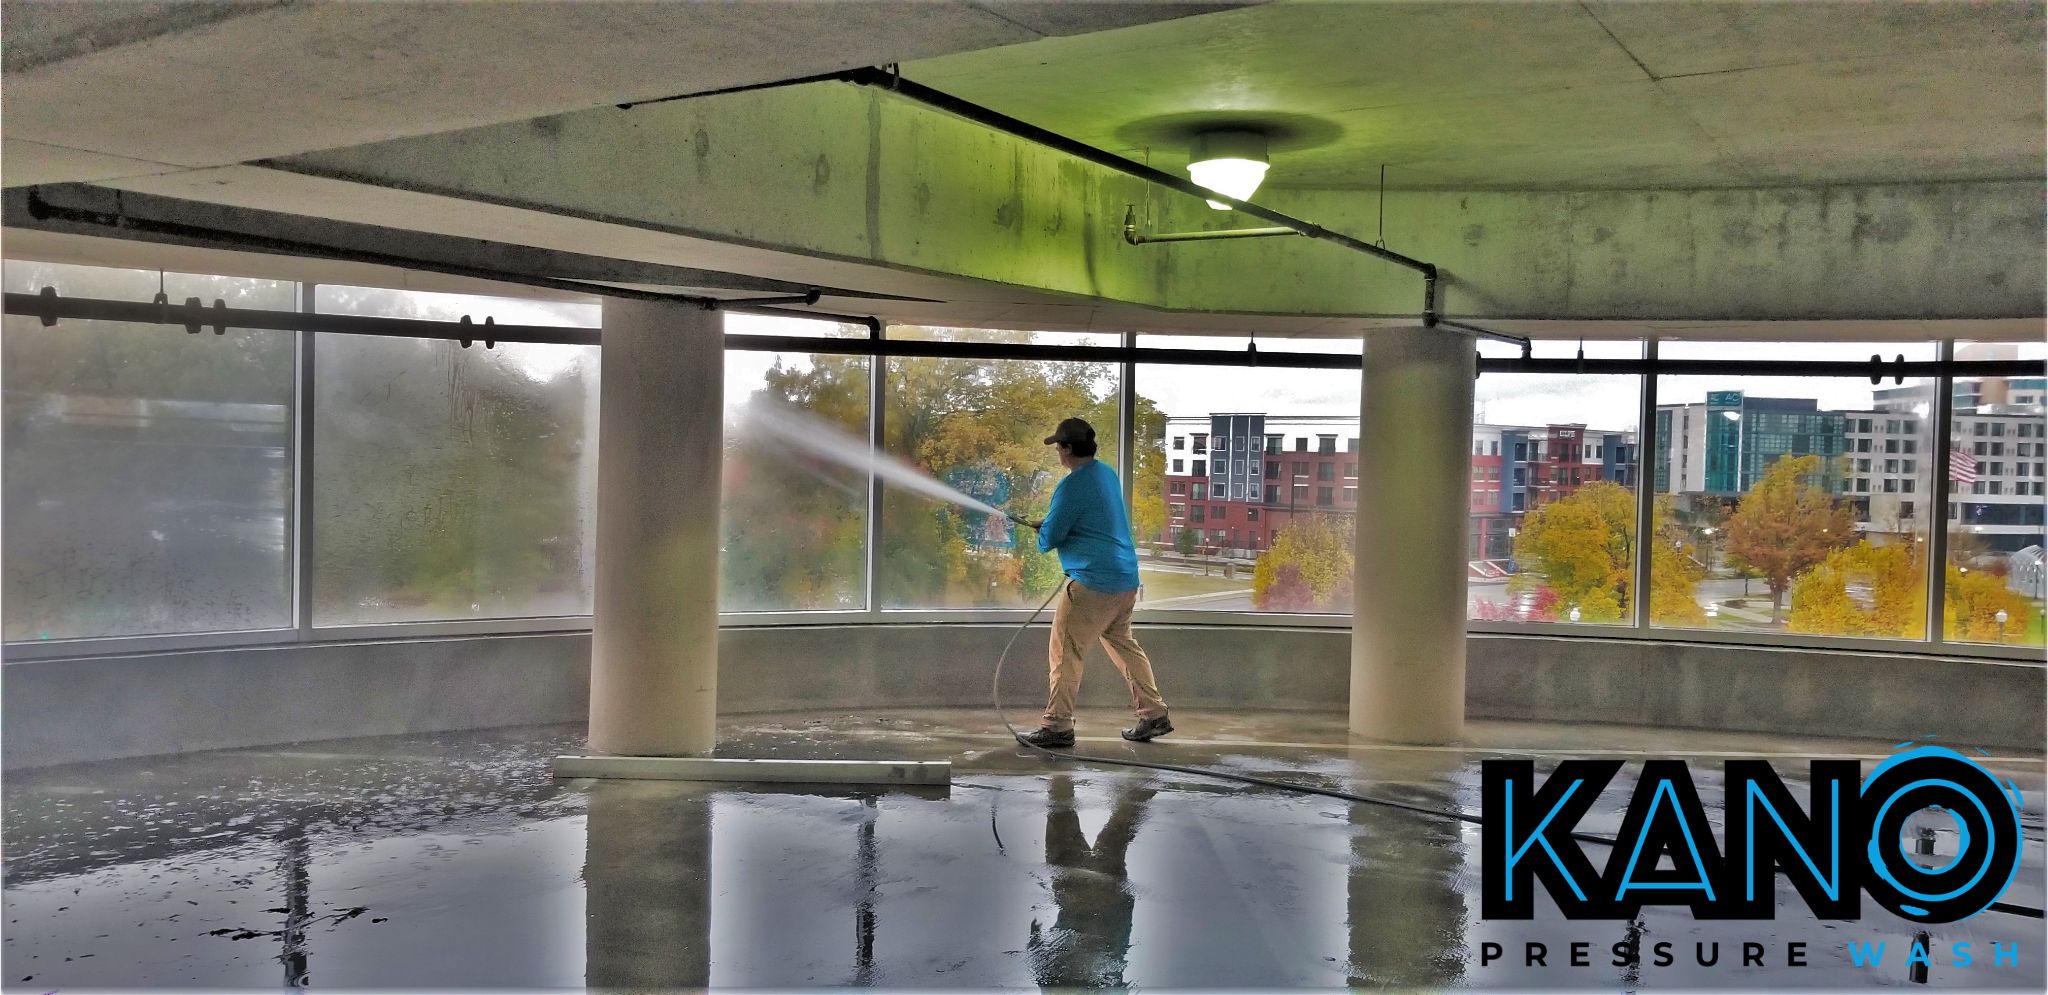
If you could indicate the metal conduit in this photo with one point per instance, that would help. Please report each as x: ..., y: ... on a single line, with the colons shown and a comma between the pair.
x: 51, y: 307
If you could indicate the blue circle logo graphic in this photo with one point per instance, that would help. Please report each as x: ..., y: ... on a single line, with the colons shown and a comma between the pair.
x: 1988, y: 835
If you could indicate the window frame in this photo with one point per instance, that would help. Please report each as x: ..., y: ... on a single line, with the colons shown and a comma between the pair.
x: 1942, y: 502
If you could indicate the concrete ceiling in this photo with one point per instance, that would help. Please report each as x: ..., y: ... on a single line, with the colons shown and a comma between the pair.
x: 1554, y: 95
x: 97, y: 90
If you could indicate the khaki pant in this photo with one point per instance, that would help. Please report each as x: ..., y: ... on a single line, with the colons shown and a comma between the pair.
x: 1084, y: 616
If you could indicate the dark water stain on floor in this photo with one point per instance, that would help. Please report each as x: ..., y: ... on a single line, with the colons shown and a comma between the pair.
x: 456, y: 860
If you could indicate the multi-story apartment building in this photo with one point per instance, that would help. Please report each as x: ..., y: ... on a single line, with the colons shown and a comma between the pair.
x: 1238, y: 478
x: 1999, y: 473
x: 1721, y: 447
x: 1881, y: 459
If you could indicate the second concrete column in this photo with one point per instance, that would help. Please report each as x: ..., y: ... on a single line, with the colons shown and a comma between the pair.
x: 1408, y: 630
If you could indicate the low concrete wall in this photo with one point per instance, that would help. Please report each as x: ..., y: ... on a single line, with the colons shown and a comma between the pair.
x: 63, y: 711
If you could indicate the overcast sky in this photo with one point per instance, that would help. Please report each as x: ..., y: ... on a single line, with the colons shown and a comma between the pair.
x: 1606, y: 402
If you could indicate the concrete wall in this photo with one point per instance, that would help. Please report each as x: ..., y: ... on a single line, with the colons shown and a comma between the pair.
x: 74, y: 710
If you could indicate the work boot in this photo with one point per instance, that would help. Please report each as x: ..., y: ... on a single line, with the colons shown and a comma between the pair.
x: 1147, y: 729
x: 1048, y: 738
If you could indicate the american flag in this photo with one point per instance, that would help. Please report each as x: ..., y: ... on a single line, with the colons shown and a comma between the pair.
x: 1962, y: 466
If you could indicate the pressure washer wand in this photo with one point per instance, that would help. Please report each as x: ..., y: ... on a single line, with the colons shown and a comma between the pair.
x: 1021, y: 520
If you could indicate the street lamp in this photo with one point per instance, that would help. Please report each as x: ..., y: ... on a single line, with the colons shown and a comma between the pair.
x: 2002, y: 617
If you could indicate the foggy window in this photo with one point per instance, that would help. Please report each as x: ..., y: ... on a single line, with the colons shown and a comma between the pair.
x: 148, y: 472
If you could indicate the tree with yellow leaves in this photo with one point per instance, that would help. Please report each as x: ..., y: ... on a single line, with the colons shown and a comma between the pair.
x: 1308, y: 568
x: 1582, y: 547
x: 1891, y: 598
x: 1787, y: 524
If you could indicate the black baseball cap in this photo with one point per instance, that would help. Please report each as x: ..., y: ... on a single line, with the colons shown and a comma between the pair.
x: 1071, y: 431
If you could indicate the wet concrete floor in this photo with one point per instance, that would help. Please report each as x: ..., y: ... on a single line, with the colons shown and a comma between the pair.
x: 456, y: 860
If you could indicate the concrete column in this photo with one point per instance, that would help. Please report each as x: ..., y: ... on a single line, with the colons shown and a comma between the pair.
x: 654, y: 649
x: 1408, y: 632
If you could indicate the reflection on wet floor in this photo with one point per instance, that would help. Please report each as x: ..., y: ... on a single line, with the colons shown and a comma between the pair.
x: 456, y: 860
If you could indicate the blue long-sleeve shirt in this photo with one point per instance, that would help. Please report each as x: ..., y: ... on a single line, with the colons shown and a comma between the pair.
x: 1088, y: 525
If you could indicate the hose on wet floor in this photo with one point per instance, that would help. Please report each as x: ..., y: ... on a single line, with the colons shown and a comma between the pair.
x: 996, y: 700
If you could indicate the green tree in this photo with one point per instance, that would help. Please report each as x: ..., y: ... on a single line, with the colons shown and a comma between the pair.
x: 1786, y: 524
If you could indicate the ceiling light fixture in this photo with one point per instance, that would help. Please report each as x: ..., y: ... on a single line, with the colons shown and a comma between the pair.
x: 1231, y: 162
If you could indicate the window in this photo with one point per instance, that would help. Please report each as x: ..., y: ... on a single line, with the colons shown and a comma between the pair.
x: 1180, y: 442
x: 1201, y: 468
x: 942, y: 415
x: 1493, y: 448
x: 1996, y: 530
x: 1201, y: 443
x: 1326, y: 471
x: 1177, y: 467
x: 795, y: 529
x: 1326, y: 443
x: 1478, y: 447
x: 1325, y: 497
x: 1350, y: 495
x: 1198, y: 490
x: 1350, y: 471
x: 1267, y: 410
x: 1201, y: 513
x: 467, y: 493
x: 148, y: 473
x: 1778, y: 532
x: 1177, y: 510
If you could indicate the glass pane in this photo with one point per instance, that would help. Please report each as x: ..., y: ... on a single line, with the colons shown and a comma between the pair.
x: 767, y: 324
x: 795, y: 522
x: 1553, y: 500
x: 1792, y: 504
x: 148, y: 472
x: 1352, y: 344
x: 1994, y: 584
x: 1833, y: 352
x: 1564, y: 348
x: 1252, y: 504
x: 979, y: 427
x: 936, y: 333
x: 452, y: 483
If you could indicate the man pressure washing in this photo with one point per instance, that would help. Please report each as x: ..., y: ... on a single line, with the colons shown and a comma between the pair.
x: 1087, y: 524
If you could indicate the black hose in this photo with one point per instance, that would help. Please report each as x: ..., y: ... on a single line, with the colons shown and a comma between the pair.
x: 996, y: 699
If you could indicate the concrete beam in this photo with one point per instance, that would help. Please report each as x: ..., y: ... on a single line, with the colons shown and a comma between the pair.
x: 861, y: 180
x: 205, y: 84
